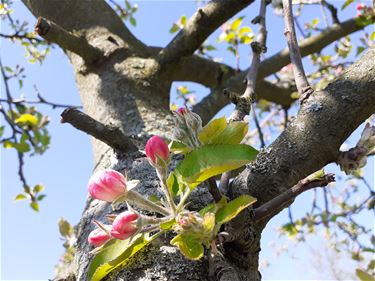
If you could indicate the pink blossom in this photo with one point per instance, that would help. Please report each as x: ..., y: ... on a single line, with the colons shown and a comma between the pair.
x: 181, y: 110
x: 157, y: 148
x: 107, y: 185
x: 360, y: 7
x: 98, y: 236
x: 124, y: 225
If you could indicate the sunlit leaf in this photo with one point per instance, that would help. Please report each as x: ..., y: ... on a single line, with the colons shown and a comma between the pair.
x: 114, y: 254
x: 211, y: 160
x: 188, y: 246
x: 65, y: 228
x: 34, y: 206
x: 236, y: 23
x: 27, y: 119
x: 178, y: 147
x: 346, y: 4
x: 233, y: 208
x: 215, y: 127
x: 363, y: 275
x: 20, y: 197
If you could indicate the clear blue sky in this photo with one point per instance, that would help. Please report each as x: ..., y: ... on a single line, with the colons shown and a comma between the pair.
x: 30, y: 243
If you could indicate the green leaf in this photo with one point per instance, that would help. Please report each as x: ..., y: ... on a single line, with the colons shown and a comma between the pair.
x: 41, y: 197
x: 212, y: 208
x: 27, y: 119
x: 232, y: 134
x: 215, y: 127
x: 65, y: 228
x: 133, y: 21
x: 372, y: 36
x: 188, y: 246
x: 20, y: 197
x: 315, y: 22
x: 346, y: 4
x: 168, y: 224
x: 233, y: 208
x: 173, y: 184
x: 21, y: 147
x: 38, y: 188
x: 115, y: 253
x: 179, y: 147
x: 208, y: 222
x: 2, y: 130
x: 244, y: 30
x: 210, y: 48
x: 236, y: 23
x: 34, y: 206
x: 183, y: 20
x: 363, y: 275
x: 174, y: 28
x: 360, y: 49
x: 211, y: 160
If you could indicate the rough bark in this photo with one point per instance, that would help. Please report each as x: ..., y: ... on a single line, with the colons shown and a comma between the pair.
x: 126, y: 89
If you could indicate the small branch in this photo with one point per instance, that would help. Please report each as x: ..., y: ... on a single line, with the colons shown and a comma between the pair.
x: 243, y: 103
x: 259, y: 129
x: 277, y: 203
x: 200, y: 25
x: 67, y: 40
x: 213, y: 189
x: 302, y: 84
x: 112, y: 136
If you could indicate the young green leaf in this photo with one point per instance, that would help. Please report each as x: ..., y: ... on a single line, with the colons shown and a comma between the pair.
x: 20, y: 197
x: 27, y: 119
x: 215, y: 127
x: 363, y: 275
x: 346, y: 4
x: 188, y: 246
x: 173, y: 184
x: 178, y: 147
x: 211, y: 160
x: 232, y: 134
x: 233, y: 208
x: 114, y: 254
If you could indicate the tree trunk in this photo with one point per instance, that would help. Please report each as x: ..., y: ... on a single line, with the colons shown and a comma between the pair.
x: 128, y: 87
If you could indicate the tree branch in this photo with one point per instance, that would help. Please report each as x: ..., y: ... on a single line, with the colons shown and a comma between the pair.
x: 89, y: 19
x: 113, y: 137
x: 213, y: 102
x: 333, y: 114
x: 201, y: 25
x: 309, y: 46
x: 303, y: 86
x: 278, y: 203
x: 68, y: 41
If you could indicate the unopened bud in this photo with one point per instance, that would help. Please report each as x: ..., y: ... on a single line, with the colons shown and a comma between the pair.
x: 107, y: 185
x: 125, y: 225
x: 99, y: 236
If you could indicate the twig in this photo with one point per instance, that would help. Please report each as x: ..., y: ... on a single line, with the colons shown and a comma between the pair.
x: 243, y: 102
x: 259, y: 129
x: 213, y: 189
x: 54, y: 105
x: 302, y: 84
x: 277, y: 203
x: 67, y: 40
x: 112, y: 136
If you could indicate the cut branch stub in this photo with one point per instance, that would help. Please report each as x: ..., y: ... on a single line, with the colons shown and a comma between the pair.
x: 67, y: 40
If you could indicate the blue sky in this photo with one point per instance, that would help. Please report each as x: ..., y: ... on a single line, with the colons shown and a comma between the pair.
x: 30, y: 243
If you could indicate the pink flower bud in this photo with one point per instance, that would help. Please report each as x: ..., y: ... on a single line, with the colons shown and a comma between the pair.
x: 360, y: 7
x: 124, y: 225
x: 107, y: 185
x: 157, y: 148
x: 181, y: 110
x: 98, y: 236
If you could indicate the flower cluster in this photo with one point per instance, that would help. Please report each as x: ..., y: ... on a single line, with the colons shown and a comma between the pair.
x: 112, y: 186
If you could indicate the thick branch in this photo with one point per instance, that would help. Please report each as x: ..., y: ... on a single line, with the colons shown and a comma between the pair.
x: 302, y: 84
x: 309, y: 46
x: 86, y: 18
x: 279, y: 202
x: 314, y: 137
x: 68, y: 41
x: 201, y: 25
x: 113, y: 137
x: 213, y: 102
